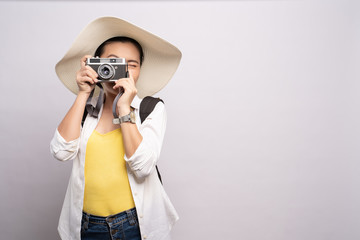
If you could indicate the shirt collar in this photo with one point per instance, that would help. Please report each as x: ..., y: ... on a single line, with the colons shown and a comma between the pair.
x: 136, y: 102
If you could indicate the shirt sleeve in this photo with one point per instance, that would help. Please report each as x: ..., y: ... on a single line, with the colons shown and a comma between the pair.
x: 63, y: 150
x: 144, y: 160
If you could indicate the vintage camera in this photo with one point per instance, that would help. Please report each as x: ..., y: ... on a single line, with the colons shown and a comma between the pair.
x: 109, y: 69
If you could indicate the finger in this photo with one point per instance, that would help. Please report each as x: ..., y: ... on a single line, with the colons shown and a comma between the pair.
x: 124, y: 85
x: 119, y: 83
x: 89, y: 72
x: 84, y: 72
x: 128, y: 84
x: 124, y: 81
x: 130, y: 81
x: 86, y: 79
x: 83, y: 60
x: 131, y: 76
x: 129, y: 87
x: 93, y: 72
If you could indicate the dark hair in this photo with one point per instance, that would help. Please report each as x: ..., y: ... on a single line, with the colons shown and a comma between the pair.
x: 100, y: 50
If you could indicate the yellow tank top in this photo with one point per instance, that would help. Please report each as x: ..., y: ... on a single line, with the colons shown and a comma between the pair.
x: 107, y: 188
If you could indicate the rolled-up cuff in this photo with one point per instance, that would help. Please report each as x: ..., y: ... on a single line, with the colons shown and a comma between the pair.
x: 63, y: 150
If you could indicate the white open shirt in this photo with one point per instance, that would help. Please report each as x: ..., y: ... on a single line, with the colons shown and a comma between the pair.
x: 155, y: 212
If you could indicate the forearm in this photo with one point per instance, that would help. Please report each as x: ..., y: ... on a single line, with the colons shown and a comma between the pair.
x: 69, y: 127
x: 131, y: 135
x: 142, y: 162
x: 132, y: 138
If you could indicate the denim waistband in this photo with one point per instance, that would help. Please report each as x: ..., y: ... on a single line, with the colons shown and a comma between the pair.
x: 130, y: 215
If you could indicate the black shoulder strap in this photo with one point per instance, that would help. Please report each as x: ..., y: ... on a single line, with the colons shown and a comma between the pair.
x: 147, y: 105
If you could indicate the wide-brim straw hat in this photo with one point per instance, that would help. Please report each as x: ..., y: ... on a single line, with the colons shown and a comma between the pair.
x: 161, y: 59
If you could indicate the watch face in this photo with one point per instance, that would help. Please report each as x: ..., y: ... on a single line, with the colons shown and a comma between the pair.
x: 132, y: 117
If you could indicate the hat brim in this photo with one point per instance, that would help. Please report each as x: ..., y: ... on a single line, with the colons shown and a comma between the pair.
x: 161, y: 59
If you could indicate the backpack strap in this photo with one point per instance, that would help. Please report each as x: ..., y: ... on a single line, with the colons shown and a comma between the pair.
x: 147, y: 105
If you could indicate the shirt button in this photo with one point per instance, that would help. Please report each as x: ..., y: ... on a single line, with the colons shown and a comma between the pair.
x: 145, y: 237
x: 135, y: 193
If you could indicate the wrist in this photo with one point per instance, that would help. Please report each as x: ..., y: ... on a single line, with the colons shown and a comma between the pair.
x: 83, y: 94
x: 123, y: 110
x: 125, y: 118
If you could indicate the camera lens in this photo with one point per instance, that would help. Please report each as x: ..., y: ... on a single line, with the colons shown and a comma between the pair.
x: 106, y: 71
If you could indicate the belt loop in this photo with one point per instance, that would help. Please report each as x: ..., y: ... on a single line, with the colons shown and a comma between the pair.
x: 86, y: 222
x: 131, y: 217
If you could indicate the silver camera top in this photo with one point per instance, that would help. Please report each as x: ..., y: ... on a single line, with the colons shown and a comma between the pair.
x: 108, y: 69
x: 98, y: 61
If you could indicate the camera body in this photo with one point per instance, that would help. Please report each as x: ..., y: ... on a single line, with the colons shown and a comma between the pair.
x: 108, y: 69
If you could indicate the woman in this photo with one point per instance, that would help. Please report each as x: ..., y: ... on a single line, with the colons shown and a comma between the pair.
x: 114, y: 191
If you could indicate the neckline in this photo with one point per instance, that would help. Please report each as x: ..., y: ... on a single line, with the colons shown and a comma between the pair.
x: 107, y: 133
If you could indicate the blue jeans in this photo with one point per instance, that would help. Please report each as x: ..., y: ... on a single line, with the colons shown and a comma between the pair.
x: 120, y: 226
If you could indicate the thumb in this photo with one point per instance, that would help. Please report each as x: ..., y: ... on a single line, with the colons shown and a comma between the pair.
x: 131, y: 75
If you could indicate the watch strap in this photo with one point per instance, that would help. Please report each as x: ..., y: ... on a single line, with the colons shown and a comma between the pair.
x: 127, y: 118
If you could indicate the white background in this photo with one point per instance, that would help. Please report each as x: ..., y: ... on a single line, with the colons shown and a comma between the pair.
x: 263, y: 115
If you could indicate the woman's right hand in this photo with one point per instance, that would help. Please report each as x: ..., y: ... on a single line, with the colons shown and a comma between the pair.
x: 86, y: 77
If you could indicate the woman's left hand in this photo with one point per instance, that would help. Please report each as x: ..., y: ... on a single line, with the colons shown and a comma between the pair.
x: 130, y: 91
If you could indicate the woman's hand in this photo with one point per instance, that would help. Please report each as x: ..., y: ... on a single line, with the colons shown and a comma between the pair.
x: 130, y: 91
x: 86, y: 77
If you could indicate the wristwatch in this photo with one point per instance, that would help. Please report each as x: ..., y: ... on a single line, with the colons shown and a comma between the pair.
x: 127, y: 118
